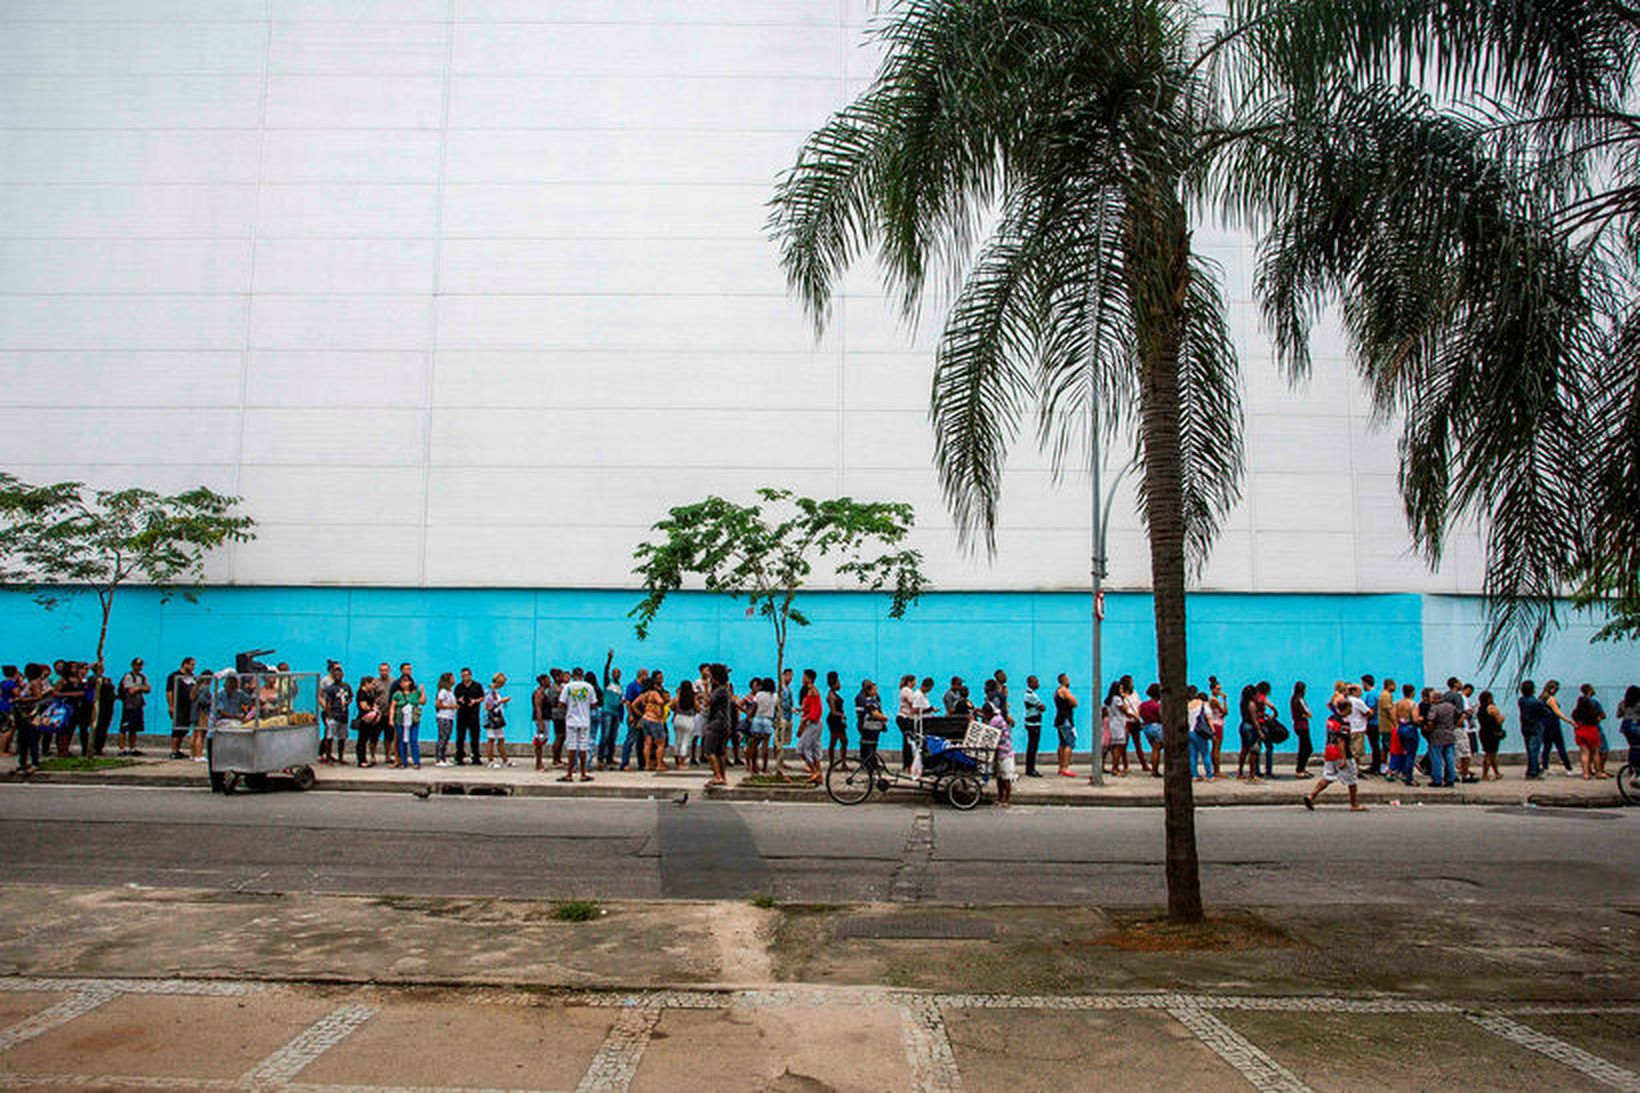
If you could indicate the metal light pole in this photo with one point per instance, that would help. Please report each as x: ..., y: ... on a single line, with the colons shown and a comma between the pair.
x: 1101, y: 531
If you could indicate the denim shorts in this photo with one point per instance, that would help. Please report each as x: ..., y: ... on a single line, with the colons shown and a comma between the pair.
x: 762, y: 726
x: 655, y: 730
x: 1153, y: 733
x: 1067, y: 735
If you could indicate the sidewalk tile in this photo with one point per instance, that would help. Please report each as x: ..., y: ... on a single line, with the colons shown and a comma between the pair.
x: 801, y: 1048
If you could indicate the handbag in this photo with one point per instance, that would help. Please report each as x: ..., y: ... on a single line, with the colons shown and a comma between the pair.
x: 1275, y: 732
x: 1332, y: 753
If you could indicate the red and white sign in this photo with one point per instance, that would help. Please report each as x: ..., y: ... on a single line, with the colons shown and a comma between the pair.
x: 1099, y: 605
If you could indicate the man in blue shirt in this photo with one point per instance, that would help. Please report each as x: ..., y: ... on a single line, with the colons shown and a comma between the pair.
x: 1534, y: 715
x: 8, y: 691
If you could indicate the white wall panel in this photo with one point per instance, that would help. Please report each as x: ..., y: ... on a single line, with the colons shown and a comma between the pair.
x: 639, y: 102
x: 342, y: 266
x: 629, y: 497
x: 39, y: 211
x: 126, y: 156
x: 98, y: 49
x: 661, y: 380
x: 305, y: 211
x: 101, y: 434
x: 183, y: 381
x: 123, y: 265
x: 645, y: 49
x: 743, y: 323
x: 579, y: 155
x: 1303, y: 561
x: 333, y: 435
x: 330, y: 554
x: 381, y: 48
x: 122, y: 322
x: 320, y: 379
x: 351, y: 11
x: 329, y: 495
x: 655, y: 211
x: 130, y: 102
x: 354, y: 102
x: 803, y: 12
x: 638, y: 267
x: 340, y: 322
x: 109, y: 10
x: 350, y: 155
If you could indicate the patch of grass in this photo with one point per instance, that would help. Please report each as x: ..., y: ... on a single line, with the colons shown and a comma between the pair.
x: 765, y: 901
x: 1229, y: 931
x: 86, y: 762
x: 575, y: 910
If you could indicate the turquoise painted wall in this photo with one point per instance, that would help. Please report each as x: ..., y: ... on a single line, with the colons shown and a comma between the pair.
x: 1238, y: 637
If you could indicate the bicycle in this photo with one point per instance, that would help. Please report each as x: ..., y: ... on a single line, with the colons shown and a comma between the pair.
x: 1628, y: 783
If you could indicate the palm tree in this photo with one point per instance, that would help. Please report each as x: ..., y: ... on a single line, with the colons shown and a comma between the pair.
x: 1079, y: 126
x: 1465, y: 178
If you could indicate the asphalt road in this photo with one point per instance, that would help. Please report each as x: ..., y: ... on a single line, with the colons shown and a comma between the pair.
x: 543, y: 848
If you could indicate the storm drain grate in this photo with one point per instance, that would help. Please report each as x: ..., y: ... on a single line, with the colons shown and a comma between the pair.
x: 917, y: 928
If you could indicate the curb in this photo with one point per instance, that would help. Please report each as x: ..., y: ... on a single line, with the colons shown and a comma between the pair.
x: 794, y: 794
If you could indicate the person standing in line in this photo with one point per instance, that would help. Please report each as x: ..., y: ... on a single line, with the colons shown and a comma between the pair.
x: 384, y: 724
x: 469, y: 695
x: 1365, y: 692
x: 650, y: 707
x: 336, y: 700
x: 1383, y: 720
x: 1489, y: 720
x: 1359, y: 718
x: 367, y: 726
x: 1534, y: 715
x: 1468, y: 739
x: 179, y: 699
x: 1586, y: 717
x: 1403, y: 745
x: 836, y: 724
x: 407, y: 701
x: 1201, y: 736
x: 765, y: 706
x: 1150, y: 729
x: 1034, y: 707
x: 613, y: 714
x: 1628, y: 722
x: 869, y: 720
x: 1218, y: 711
x: 444, y: 711
x: 11, y: 682
x: 1442, y: 732
x: 684, y: 721
x: 1115, y: 731
x: 1252, y: 717
x: 103, y: 690
x: 25, y: 708
x: 1338, y: 765
x: 1135, y: 729
x: 810, y: 712
x: 905, y: 718
x: 633, y: 741
x: 560, y: 713
x: 133, y: 696
x: 719, y: 723
x: 952, y: 696
x: 1064, y: 723
x: 1001, y: 678
x: 541, y: 717
x: 1553, y: 736
x: 1299, y: 709
x: 495, y: 722
x: 579, y: 696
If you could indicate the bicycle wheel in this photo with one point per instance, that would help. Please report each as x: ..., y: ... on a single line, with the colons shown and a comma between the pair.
x: 851, y: 786
x: 1628, y: 784
x: 964, y: 792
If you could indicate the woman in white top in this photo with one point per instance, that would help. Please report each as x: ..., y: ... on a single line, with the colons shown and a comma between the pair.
x: 1115, y: 731
x: 444, y: 707
x: 909, y: 716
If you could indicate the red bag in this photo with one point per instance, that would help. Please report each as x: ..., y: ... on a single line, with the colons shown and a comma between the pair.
x: 1332, y: 753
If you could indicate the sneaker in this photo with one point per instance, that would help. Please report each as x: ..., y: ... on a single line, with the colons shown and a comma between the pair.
x: 179, y: 755
x: 136, y: 751
x: 199, y: 759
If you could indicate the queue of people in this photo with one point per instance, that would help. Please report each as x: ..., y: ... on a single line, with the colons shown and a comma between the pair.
x: 587, y: 720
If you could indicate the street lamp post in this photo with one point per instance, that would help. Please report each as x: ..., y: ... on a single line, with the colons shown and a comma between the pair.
x: 1101, y: 530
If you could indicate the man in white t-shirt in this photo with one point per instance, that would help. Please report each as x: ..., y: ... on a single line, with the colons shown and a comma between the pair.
x: 577, y: 697
x: 1357, y: 719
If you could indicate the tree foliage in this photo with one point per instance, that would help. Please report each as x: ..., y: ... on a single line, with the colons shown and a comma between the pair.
x: 765, y: 553
x: 65, y: 534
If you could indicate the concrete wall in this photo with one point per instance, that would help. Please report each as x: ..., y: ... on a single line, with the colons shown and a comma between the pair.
x: 467, y: 292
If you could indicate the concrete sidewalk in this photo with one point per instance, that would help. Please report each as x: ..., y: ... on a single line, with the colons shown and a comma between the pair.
x: 1136, y: 790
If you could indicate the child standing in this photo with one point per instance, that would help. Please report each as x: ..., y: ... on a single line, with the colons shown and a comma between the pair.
x: 495, y: 722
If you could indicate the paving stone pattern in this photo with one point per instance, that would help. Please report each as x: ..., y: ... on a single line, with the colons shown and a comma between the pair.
x: 928, y: 1051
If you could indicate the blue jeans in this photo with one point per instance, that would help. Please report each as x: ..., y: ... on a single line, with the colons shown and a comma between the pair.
x: 1201, y: 748
x: 633, y: 739
x: 410, y: 741
x: 1442, y: 770
x: 609, y: 729
x: 1409, y: 751
x: 1534, y: 752
x: 1555, y: 740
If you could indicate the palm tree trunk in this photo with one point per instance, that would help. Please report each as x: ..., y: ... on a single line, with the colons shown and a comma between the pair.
x: 1158, y: 252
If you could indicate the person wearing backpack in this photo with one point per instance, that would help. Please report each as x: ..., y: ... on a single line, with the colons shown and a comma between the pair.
x: 26, y: 713
x: 1201, y: 736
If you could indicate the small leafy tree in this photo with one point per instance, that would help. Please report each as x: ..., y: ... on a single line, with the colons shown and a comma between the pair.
x: 766, y: 558
x: 65, y: 534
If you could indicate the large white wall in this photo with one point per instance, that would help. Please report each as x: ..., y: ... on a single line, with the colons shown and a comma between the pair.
x: 462, y: 292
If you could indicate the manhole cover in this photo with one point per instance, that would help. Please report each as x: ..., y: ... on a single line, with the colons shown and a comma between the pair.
x: 917, y: 927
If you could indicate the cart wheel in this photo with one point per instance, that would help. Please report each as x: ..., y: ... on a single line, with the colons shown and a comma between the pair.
x: 964, y: 792
x: 230, y: 783
x: 849, y: 787
x: 304, y: 777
